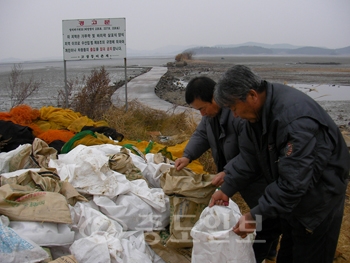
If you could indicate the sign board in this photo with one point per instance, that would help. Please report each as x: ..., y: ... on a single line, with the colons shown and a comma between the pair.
x: 89, y: 39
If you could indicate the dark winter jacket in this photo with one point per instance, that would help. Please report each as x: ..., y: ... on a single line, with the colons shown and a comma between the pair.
x: 302, y: 153
x: 220, y: 134
x: 228, y: 146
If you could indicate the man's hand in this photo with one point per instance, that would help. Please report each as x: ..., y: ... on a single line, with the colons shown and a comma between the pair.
x: 181, y: 163
x: 218, y: 198
x: 218, y: 179
x: 245, y: 225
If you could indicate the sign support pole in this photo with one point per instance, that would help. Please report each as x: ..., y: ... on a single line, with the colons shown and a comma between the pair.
x: 65, y: 84
x: 126, y: 84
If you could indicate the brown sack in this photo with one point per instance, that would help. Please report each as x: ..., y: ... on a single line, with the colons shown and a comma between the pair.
x: 34, y: 155
x: 184, y: 213
x: 46, y: 180
x: 156, y: 240
x: 42, y: 153
x: 189, y: 194
x: 65, y: 259
x: 23, y: 160
x: 22, y: 203
x: 188, y: 184
x: 71, y: 194
x: 35, y: 180
x: 121, y: 162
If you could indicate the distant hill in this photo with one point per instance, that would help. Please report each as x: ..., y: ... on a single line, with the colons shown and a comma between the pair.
x: 163, y: 51
x: 344, y: 50
x: 251, y: 50
x: 267, y: 50
x: 248, y: 48
x: 286, y: 46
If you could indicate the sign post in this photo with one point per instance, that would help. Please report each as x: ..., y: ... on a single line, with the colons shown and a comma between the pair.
x: 92, y: 39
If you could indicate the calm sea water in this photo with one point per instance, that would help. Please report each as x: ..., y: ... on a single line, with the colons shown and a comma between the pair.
x: 51, y: 75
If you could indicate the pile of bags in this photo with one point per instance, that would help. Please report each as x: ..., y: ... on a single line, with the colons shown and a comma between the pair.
x: 104, y: 203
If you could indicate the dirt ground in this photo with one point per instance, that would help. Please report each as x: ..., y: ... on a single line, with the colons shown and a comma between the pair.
x: 304, y: 70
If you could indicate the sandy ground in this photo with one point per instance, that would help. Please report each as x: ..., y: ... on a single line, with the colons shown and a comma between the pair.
x: 333, y: 71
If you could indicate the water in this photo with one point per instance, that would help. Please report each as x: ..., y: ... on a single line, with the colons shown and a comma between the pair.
x: 51, y: 75
x: 325, y: 92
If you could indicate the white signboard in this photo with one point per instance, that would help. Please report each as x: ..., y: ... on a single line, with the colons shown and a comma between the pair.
x: 87, y: 39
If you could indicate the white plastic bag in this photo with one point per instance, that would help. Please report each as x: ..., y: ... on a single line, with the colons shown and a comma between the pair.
x: 153, y: 171
x: 214, y: 240
x: 101, y: 239
x: 87, y: 220
x: 44, y: 233
x: 87, y: 169
x: 133, y: 211
x: 16, y: 249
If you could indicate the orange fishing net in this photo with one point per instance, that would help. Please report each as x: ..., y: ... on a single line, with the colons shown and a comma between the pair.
x: 50, y: 123
x: 52, y: 135
x: 23, y: 115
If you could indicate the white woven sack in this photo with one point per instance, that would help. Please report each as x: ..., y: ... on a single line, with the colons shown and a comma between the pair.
x: 214, y: 240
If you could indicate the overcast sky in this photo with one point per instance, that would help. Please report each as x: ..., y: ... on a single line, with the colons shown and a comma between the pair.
x: 32, y: 29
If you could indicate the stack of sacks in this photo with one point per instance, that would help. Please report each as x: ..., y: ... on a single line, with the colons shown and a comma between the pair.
x: 78, y: 205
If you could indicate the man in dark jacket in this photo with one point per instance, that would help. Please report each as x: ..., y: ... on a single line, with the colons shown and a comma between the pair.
x: 303, y: 156
x: 221, y: 132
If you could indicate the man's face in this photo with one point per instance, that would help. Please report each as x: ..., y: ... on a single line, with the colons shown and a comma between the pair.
x: 247, y: 109
x: 209, y: 109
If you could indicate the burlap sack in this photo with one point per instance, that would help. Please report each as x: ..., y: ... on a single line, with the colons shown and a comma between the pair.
x: 184, y: 213
x: 122, y: 163
x: 187, y: 184
x: 35, y: 181
x: 45, y: 180
x: 65, y: 259
x: 23, y: 159
x: 21, y: 203
x: 42, y: 153
x: 157, y: 241
x: 40, y: 196
x: 189, y: 194
x: 34, y: 155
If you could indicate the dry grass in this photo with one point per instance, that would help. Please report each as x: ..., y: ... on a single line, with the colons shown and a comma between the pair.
x: 343, y: 250
x: 139, y: 121
x: 20, y: 88
x: 94, y: 98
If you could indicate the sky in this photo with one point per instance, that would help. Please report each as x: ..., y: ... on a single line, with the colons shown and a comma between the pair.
x: 32, y: 29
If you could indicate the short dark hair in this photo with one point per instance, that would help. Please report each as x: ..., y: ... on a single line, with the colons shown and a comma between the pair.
x: 200, y: 88
x: 235, y: 84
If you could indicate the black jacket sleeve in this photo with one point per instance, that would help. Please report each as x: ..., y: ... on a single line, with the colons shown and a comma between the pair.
x: 198, y: 143
x: 242, y: 169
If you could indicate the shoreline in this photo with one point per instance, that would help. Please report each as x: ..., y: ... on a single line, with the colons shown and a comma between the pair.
x: 299, y: 70
x: 172, y: 89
